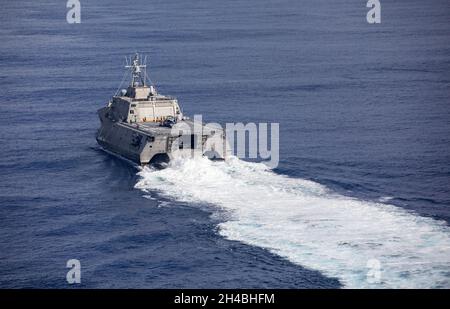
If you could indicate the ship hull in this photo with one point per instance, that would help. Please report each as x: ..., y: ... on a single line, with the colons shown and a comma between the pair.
x: 150, y: 143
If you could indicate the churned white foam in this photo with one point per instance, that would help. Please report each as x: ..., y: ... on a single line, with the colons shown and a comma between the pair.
x: 363, y: 244
x: 385, y: 199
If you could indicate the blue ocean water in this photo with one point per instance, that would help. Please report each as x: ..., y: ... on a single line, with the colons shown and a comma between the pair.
x: 364, y: 145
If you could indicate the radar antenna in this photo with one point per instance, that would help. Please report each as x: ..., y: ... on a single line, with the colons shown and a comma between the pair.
x: 138, y: 71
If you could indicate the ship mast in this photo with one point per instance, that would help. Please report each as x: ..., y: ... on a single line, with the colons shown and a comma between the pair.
x: 137, y: 69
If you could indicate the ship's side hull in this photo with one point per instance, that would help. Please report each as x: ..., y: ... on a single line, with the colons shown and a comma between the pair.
x: 132, y: 144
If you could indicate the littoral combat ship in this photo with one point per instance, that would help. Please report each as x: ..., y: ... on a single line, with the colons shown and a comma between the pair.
x: 149, y: 128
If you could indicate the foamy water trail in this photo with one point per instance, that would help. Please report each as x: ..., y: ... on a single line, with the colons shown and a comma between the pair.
x: 308, y: 224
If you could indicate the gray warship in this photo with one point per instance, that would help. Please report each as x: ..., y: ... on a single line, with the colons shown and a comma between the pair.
x: 146, y: 127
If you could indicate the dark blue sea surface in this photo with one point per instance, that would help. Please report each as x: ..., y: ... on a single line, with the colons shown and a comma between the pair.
x: 364, y: 111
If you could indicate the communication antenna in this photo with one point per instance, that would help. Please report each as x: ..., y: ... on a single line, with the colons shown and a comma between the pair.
x: 137, y: 70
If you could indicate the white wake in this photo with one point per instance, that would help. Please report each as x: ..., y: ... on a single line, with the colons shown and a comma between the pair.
x: 363, y: 244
